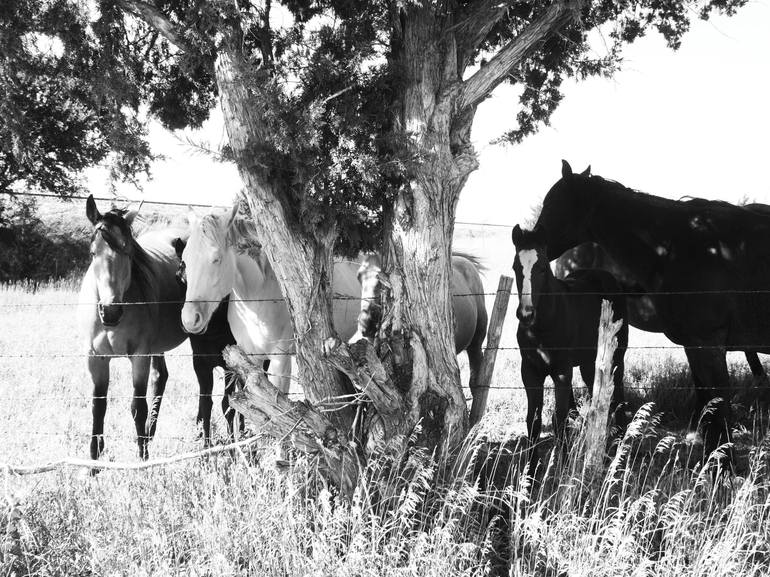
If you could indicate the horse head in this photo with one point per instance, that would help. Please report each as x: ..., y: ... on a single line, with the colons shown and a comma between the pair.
x: 565, y: 211
x: 373, y: 282
x: 531, y: 268
x: 112, y: 251
x: 208, y: 264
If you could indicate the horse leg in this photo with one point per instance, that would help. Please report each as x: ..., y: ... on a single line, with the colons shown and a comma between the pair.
x: 618, y: 405
x: 475, y: 358
x: 757, y: 370
x: 140, y: 366
x: 204, y: 374
x: 280, y: 372
x: 99, y: 369
x: 158, y: 380
x: 711, y: 378
x: 533, y: 377
x: 562, y: 380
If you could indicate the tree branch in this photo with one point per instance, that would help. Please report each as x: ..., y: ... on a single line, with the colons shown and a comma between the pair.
x: 478, y: 20
x: 478, y: 86
x: 150, y: 13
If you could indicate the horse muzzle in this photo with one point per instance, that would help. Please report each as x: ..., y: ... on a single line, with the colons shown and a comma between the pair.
x: 193, y: 321
x: 109, y: 314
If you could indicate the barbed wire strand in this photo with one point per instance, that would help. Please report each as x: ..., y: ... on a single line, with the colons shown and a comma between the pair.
x: 337, y: 297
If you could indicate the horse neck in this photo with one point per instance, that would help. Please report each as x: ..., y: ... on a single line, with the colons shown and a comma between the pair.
x: 548, y: 305
x: 255, y: 280
x: 143, y: 283
x: 632, y: 227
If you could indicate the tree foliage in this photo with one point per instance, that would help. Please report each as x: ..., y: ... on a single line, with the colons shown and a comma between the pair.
x: 80, y: 80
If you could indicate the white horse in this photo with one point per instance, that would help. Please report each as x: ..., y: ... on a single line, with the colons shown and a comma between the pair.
x: 259, y: 318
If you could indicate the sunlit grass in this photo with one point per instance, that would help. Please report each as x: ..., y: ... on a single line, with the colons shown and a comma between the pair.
x: 647, y: 512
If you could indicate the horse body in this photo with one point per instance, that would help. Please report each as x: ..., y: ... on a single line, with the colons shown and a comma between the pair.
x: 641, y: 308
x: 207, y: 350
x: 706, y: 263
x: 128, y: 270
x: 467, y: 301
x: 257, y: 313
x: 559, y: 328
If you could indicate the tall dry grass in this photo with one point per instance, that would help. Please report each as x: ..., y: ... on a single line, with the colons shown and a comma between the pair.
x: 649, y: 512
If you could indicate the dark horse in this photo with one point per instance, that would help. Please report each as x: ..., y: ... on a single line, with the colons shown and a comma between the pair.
x: 559, y: 327
x: 641, y: 310
x: 130, y: 305
x: 207, y: 350
x: 704, y: 264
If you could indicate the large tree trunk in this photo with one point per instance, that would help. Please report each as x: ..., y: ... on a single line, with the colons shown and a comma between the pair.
x: 302, y: 265
x: 419, y: 241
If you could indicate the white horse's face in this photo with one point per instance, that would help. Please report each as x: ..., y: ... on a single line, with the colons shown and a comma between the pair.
x: 210, y: 267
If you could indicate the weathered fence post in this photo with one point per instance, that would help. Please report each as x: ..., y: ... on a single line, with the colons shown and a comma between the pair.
x: 490, y: 353
x: 598, y: 411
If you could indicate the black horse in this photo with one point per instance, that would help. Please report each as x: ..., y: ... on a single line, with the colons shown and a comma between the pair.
x: 207, y: 350
x: 705, y: 265
x: 559, y: 328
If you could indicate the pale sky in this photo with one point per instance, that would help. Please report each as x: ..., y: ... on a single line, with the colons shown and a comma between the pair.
x: 688, y: 123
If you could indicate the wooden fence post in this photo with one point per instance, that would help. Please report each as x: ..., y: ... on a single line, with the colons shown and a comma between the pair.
x: 598, y: 412
x: 490, y: 353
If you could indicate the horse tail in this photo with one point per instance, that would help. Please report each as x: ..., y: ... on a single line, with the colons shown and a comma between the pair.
x: 472, y: 258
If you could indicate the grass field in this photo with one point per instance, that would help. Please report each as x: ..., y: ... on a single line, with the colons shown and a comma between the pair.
x: 237, y: 515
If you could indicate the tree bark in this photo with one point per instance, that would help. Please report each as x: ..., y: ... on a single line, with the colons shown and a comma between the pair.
x: 302, y: 265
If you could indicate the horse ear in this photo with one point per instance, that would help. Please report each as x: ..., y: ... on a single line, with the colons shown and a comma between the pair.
x: 516, y: 234
x: 192, y: 217
x: 130, y: 215
x: 178, y: 245
x: 232, y: 215
x: 92, y: 212
x: 566, y: 169
x: 587, y: 171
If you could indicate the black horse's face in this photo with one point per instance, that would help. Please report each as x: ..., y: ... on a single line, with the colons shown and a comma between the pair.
x: 111, y: 253
x: 565, y: 212
x: 531, y: 268
x: 181, y: 274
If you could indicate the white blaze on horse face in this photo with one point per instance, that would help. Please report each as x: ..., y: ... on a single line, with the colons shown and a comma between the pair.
x: 527, y: 258
x: 210, y: 271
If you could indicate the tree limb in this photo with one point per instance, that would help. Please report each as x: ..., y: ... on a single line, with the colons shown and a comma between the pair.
x: 150, y: 13
x: 476, y: 23
x: 478, y: 86
x: 309, y: 429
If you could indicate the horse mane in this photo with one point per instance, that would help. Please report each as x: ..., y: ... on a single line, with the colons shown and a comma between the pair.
x: 474, y: 260
x: 241, y: 234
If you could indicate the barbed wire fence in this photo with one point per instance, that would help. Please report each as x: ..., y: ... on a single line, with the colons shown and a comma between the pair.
x: 84, y: 463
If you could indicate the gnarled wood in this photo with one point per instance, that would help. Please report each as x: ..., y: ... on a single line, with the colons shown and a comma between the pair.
x: 309, y: 430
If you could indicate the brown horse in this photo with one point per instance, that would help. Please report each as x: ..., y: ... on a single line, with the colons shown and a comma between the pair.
x: 559, y: 328
x: 703, y: 263
x: 130, y: 305
x: 470, y: 310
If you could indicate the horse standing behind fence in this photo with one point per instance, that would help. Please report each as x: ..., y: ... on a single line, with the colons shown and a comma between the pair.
x: 704, y: 263
x: 559, y: 328
x: 468, y: 303
x: 130, y: 303
x: 207, y: 350
x: 257, y: 314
